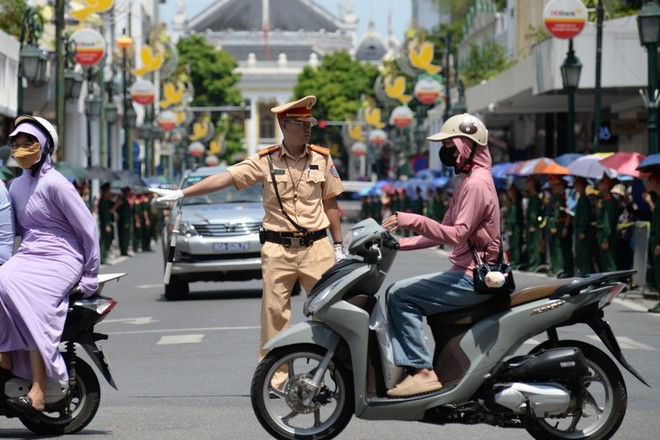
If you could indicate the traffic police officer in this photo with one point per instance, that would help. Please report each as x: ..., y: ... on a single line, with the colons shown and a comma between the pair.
x: 300, y: 185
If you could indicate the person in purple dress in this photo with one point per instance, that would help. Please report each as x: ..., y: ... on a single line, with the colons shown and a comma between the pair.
x: 59, y: 249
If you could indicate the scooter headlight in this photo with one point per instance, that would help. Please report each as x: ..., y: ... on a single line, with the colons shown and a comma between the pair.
x: 314, y: 303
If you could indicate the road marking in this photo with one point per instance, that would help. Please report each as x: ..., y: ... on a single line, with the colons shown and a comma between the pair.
x: 135, y: 321
x: 628, y: 343
x: 206, y: 329
x: 149, y: 286
x: 180, y: 339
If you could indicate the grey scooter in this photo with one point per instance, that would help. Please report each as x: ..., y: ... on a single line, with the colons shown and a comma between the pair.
x: 339, y: 362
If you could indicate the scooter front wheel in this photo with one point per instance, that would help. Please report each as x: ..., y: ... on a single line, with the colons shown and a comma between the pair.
x: 287, y: 406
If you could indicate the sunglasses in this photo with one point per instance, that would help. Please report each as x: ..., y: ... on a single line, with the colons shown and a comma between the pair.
x: 302, y: 124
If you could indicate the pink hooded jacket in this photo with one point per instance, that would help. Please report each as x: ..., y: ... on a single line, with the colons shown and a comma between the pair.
x: 474, y: 213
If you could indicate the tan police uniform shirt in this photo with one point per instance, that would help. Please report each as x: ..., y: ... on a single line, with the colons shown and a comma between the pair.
x: 303, y: 184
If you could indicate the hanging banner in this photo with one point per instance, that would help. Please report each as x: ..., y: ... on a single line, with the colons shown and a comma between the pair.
x: 377, y: 137
x: 143, y: 92
x: 565, y: 18
x: 90, y: 46
x: 196, y: 149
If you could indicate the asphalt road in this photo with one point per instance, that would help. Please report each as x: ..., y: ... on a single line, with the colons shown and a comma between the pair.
x: 184, y: 368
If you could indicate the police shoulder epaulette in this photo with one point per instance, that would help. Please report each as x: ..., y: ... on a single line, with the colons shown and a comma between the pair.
x: 321, y: 150
x: 265, y: 151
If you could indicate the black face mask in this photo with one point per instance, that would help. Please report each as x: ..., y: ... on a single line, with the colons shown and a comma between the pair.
x: 447, y: 156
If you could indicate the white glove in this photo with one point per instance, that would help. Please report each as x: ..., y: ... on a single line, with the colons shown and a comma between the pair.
x: 167, y: 195
x: 339, y: 252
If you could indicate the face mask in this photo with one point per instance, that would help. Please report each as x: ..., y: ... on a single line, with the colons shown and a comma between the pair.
x: 447, y: 156
x: 26, y: 157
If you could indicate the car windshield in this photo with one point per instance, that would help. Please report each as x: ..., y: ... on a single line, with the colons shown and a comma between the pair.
x: 227, y: 195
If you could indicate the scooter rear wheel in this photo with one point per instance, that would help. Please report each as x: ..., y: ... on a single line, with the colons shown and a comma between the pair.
x: 603, y: 409
x: 283, y: 412
x: 85, y: 401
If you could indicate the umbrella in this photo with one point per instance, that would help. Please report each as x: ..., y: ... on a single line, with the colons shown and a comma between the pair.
x: 440, y: 182
x: 102, y: 173
x: 529, y: 167
x: 554, y: 168
x: 427, y: 174
x: 127, y: 178
x: 625, y: 162
x: 651, y: 163
x: 72, y: 170
x: 589, y: 167
x: 499, y: 170
x: 566, y: 158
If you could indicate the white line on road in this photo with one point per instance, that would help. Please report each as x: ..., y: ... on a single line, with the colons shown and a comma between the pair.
x: 180, y: 339
x: 149, y: 286
x: 206, y: 329
x: 135, y: 321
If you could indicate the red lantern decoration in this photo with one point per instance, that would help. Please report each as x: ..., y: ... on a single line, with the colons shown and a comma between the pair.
x: 196, y: 149
x: 377, y: 138
x: 401, y: 116
x: 428, y: 89
x: 359, y: 149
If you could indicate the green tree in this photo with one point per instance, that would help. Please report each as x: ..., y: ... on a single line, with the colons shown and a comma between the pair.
x: 340, y: 85
x: 11, y: 14
x: 214, y: 81
x: 484, y: 62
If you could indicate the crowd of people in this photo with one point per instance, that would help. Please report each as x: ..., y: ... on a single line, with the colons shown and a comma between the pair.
x: 560, y: 225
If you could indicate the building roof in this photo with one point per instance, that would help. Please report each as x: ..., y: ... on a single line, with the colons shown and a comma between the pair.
x: 247, y: 15
x: 372, y: 47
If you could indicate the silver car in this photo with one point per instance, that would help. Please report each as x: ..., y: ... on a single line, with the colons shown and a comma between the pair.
x: 218, y: 237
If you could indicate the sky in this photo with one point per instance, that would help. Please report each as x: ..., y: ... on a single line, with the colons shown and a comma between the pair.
x: 366, y: 10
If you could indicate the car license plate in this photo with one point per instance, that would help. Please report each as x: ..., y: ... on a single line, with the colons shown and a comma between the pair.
x: 229, y: 247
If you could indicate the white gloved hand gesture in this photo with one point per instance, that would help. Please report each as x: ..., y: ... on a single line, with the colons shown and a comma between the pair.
x: 339, y: 252
x: 167, y: 195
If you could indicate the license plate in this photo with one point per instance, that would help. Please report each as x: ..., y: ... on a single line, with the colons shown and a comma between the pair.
x: 229, y: 247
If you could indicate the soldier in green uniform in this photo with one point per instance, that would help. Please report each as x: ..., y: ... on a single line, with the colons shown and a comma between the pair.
x: 564, y: 226
x: 105, y: 221
x: 606, y: 223
x: 653, y: 186
x: 376, y: 208
x: 440, y: 204
x: 137, y: 222
x: 514, y: 226
x: 147, y: 222
x: 124, y: 220
x: 532, y: 230
x: 365, y: 211
x: 584, y: 222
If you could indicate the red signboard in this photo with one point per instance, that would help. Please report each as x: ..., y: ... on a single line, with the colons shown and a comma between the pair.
x: 90, y: 46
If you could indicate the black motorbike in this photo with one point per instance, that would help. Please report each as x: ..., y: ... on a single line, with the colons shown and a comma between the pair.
x: 72, y: 404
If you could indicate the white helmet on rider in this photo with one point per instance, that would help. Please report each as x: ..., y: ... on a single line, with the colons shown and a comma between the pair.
x: 463, y: 125
x: 52, y: 140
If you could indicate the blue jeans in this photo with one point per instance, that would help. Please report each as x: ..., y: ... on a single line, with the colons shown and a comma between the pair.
x: 411, y: 299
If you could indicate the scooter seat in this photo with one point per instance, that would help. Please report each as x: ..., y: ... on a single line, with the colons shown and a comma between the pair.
x: 497, y: 303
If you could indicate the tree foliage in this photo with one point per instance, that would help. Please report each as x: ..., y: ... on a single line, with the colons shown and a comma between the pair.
x: 484, y: 62
x: 340, y: 84
x: 214, y: 81
x: 11, y: 14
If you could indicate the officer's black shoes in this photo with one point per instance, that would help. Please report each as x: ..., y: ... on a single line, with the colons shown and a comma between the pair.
x: 655, y: 309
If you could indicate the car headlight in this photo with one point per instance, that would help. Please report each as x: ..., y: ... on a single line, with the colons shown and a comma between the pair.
x: 186, y: 228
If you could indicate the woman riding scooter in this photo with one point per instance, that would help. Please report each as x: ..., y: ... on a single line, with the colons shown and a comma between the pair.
x: 473, y: 214
x: 59, y: 248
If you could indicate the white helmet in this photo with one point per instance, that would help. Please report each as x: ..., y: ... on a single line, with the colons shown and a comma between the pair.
x: 45, y: 126
x: 462, y: 125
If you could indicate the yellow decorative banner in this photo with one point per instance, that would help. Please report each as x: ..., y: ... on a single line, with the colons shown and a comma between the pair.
x: 372, y: 116
x: 150, y: 61
x: 91, y: 7
x: 355, y: 132
x: 397, y: 89
x: 173, y: 94
x: 423, y: 58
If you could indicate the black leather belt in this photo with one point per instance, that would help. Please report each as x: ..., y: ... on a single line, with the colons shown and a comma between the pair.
x: 294, y: 239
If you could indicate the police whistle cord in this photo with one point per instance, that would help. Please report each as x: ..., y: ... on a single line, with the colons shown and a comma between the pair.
x: 170, y: 254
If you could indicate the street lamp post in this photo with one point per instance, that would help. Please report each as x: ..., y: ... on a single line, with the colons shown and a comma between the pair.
x: 32, y: 61
x: 570, y: 74
x: 124, y: 42
x: 648, y: 24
